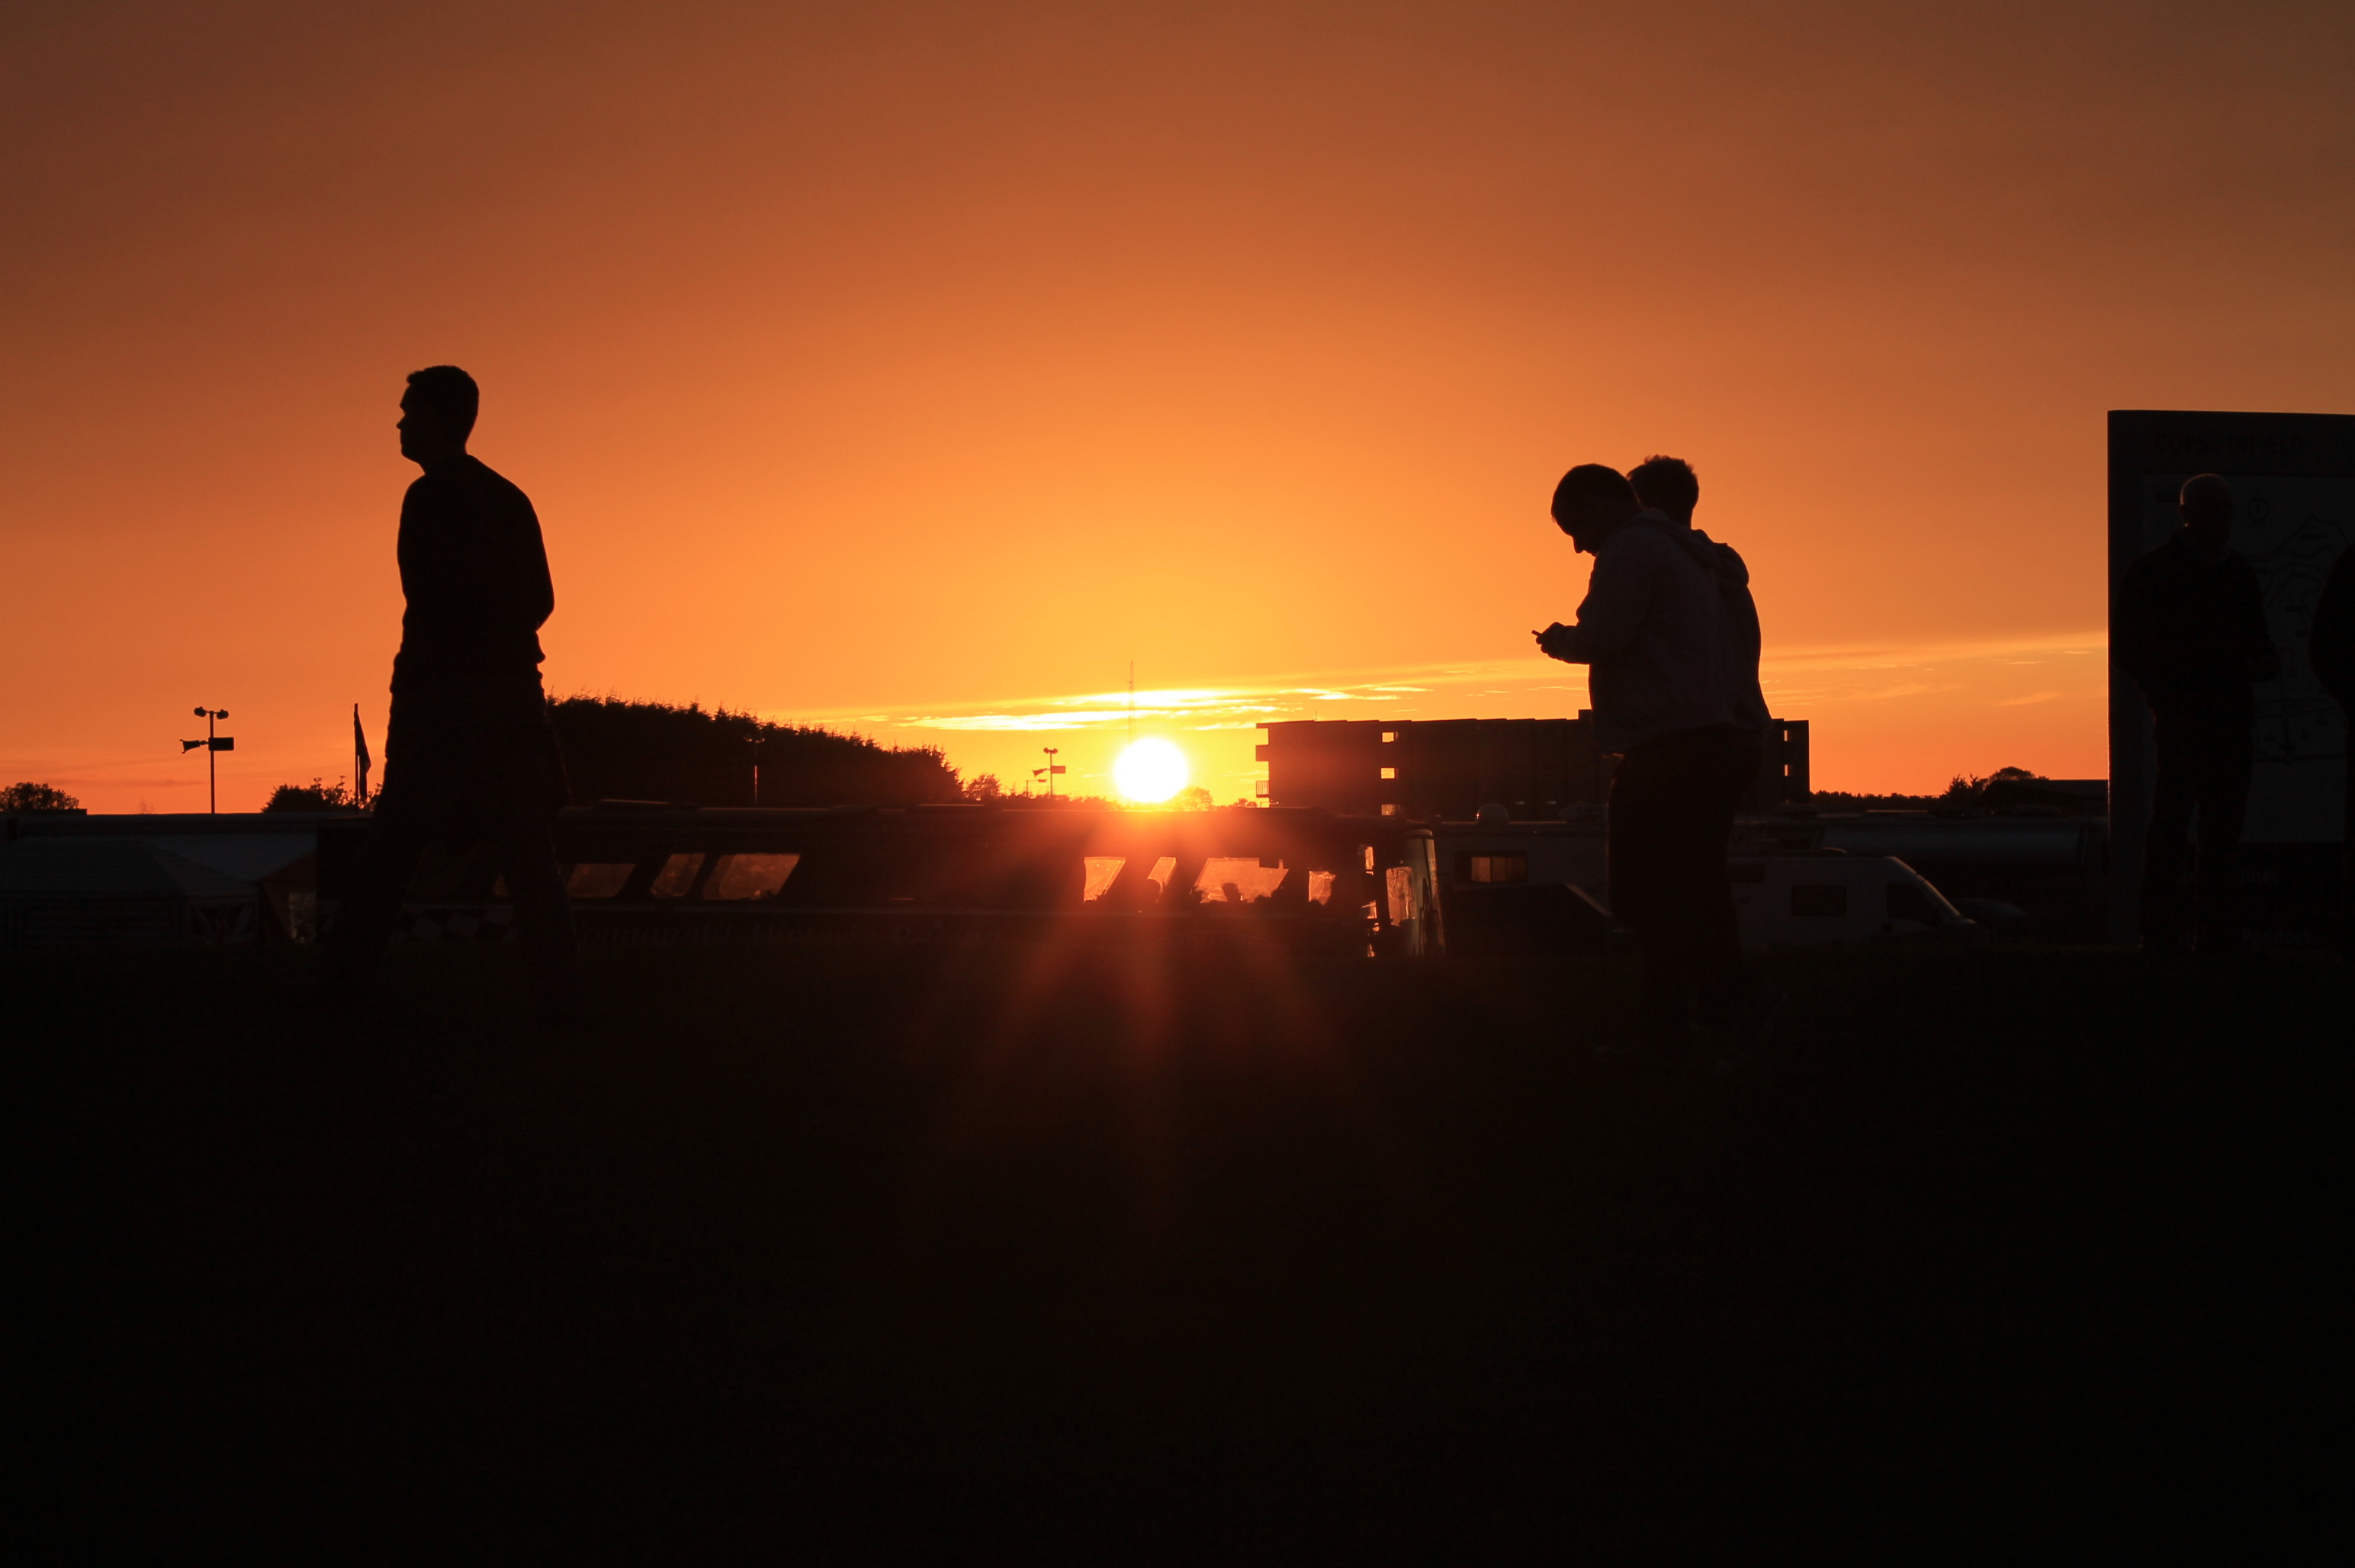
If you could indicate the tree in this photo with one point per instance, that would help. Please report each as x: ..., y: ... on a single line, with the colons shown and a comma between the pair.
x: 31, y: 796
x: 313, y: 796
x: 618, y: 750
x: 983, y: 786
x: 1969, y: 790
x: 1193, y: 797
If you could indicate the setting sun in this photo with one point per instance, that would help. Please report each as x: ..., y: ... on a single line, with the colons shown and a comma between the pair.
x: 1150, y: 771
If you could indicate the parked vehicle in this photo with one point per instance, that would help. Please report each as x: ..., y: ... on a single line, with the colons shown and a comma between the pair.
x: 1516, y: 887
x: 1806, y: 900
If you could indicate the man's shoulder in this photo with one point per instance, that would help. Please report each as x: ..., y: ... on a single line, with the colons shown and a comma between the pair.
x: 482, y: 478
x: 1641, y: 541
x: 2158, y: 560
x: 1729, y: 564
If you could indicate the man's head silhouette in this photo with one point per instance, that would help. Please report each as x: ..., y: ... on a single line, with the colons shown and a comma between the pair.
x: 2206, y: 503
x: 1590, y: 503
x: 1667, y: 485
x: 437, y: 415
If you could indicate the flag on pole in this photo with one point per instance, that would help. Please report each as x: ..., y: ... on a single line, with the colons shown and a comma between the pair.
x: 360, y: 758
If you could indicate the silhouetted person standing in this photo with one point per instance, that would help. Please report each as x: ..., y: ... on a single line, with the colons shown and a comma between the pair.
x: 1653, y: 633
x: 2189, y: 626
x: 468, y: 752
x: 2330, y: 649
x: 1670, y: 492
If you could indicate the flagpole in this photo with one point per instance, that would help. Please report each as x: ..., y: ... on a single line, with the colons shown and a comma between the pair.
x: 360, y: 759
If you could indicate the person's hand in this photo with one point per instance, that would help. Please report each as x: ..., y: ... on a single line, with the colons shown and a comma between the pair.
x: 1550, y: 641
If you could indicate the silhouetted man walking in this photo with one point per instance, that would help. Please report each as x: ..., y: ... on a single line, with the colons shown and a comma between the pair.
x: 1653, y: 633
x: 2330, y: 649
x: 2188, y: 624
x: 468, y: 751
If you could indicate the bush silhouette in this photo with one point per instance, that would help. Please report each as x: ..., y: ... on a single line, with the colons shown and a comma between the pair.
x: 312, y: 796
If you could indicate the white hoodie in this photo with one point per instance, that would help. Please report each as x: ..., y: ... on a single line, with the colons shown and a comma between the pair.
x: 1653, y: 632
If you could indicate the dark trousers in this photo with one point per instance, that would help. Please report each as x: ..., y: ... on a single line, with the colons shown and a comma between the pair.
x: 2205, y: 757
x: 465, y: 783
x: 1672, y: 805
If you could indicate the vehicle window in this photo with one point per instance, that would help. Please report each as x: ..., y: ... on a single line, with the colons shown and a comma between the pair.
x: 1320, y: 887
x: 1907, y: 901
x: 677, y: 876
x: 1103, y: 871
x: 1819, y: 898
x: 748, y: 876
x: 598, y: 880
x: 1163, y: 870
x: 1238, y: 879
x: 1505, y: 868
x: 1400, y: 884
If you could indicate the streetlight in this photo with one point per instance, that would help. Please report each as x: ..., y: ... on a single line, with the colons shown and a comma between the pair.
x: 214, y: 746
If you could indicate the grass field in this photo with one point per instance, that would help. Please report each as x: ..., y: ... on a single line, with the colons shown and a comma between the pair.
x: 842, y: 1248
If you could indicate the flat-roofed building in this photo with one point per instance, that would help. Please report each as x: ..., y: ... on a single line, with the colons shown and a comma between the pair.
x: 1449, y: 768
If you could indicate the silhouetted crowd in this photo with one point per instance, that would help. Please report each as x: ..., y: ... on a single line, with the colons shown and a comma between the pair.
x: 1669, y: 630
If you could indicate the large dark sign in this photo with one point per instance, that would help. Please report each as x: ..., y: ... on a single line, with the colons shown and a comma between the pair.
x: 2293, y: 478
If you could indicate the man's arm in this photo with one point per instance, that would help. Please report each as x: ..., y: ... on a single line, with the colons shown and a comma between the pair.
x: 535, y: 587
x: 1618, y: 595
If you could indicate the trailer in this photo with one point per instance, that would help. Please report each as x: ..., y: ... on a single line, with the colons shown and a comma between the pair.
x: 1346, y: 885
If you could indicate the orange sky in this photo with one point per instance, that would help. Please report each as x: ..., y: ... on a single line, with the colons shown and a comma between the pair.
x: 917, y: 367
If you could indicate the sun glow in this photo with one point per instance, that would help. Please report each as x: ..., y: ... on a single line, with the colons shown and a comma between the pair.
x: 1150, y: 771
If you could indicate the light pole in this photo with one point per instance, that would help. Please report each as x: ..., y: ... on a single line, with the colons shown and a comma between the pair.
x: 214, y: 746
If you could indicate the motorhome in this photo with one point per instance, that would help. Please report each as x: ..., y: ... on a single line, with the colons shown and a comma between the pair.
x: 1521, y: 886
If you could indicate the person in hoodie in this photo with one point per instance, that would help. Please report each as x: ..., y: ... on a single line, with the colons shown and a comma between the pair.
x: 2188, y: 624
x: 1668, y: 487
x: 1670, y: 492
x: 1652, y: 632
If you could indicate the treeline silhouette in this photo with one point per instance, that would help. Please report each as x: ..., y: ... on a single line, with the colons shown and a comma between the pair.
x: 618, y: 750
x: 1964, y: 792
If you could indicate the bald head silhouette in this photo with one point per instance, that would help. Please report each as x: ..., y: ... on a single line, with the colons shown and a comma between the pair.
x: 2206, y: 504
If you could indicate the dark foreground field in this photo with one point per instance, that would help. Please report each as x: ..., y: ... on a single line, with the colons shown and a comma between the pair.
x: 839, y: 1248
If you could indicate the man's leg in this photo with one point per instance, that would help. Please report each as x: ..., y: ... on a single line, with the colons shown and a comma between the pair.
x: 2173, y: 795
x: 2227, y: 760
x: 408, y: 810
x: 519, y: 804
x: 1724, y: 986
x: 1642, y: 870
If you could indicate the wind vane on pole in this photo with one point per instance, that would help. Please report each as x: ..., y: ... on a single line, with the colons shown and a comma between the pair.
x: 1049, y: 771
x: 214, y: 746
